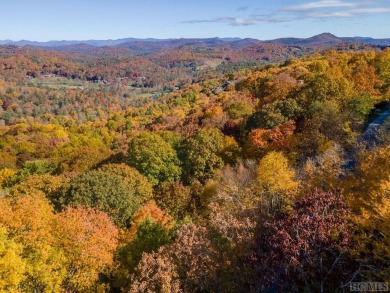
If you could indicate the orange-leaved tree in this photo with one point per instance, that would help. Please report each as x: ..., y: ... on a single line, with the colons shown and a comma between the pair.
x: 88, y: 238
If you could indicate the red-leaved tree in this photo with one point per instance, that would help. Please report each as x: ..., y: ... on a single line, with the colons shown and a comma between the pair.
x: 306, y: 250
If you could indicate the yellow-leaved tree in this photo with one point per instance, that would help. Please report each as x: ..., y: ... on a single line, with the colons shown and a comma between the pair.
x: 368, y: 191
x: 27, y: 220
x: 5, y: 175
x: 276, y: 181
x: 12, y: 266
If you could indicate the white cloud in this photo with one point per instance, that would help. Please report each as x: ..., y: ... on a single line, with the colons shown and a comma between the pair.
x: 322, y: 9
x: 371, y: 10
x: 319, y: 4
x: 335, y: 8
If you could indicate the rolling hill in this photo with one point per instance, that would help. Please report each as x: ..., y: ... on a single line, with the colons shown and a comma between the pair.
x: 152, y: 45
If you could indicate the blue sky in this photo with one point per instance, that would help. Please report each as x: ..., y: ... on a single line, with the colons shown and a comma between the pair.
x: 43, y: 20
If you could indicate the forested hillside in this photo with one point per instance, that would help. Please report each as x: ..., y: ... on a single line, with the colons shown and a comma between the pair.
x: 193, y: 170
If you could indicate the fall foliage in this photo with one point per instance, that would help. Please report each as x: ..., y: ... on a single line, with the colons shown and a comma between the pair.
x: 149, y: 171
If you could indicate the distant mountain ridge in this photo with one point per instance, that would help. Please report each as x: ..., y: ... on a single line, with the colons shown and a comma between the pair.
x: 99, y: 43
x: 318, y: 40
x: 95, y: 43
x: 149, y: 45
x: 329, y: 40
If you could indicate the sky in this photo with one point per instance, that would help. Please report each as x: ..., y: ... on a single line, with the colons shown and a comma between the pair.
x: 44, y: 20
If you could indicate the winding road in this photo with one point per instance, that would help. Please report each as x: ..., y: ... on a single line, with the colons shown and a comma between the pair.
x: 370, y: 135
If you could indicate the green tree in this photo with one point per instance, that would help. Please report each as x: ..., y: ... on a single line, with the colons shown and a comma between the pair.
x: 153, y: 157
x: 150, y: 228
x: 202, y: 154
x: 148, y: 238
x: 239, y: 109
x: 361, y: 105
x: 103, y: 190
x: 37, y: 167
x: 137, y: 183
x: 274, y: 114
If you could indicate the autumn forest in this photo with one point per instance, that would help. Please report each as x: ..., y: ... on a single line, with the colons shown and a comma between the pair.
x: 204, y: 167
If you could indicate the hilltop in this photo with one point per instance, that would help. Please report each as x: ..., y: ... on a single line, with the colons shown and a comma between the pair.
x: 151, y: 44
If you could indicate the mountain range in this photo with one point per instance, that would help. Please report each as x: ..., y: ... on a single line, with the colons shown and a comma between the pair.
x: 151, y: 45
